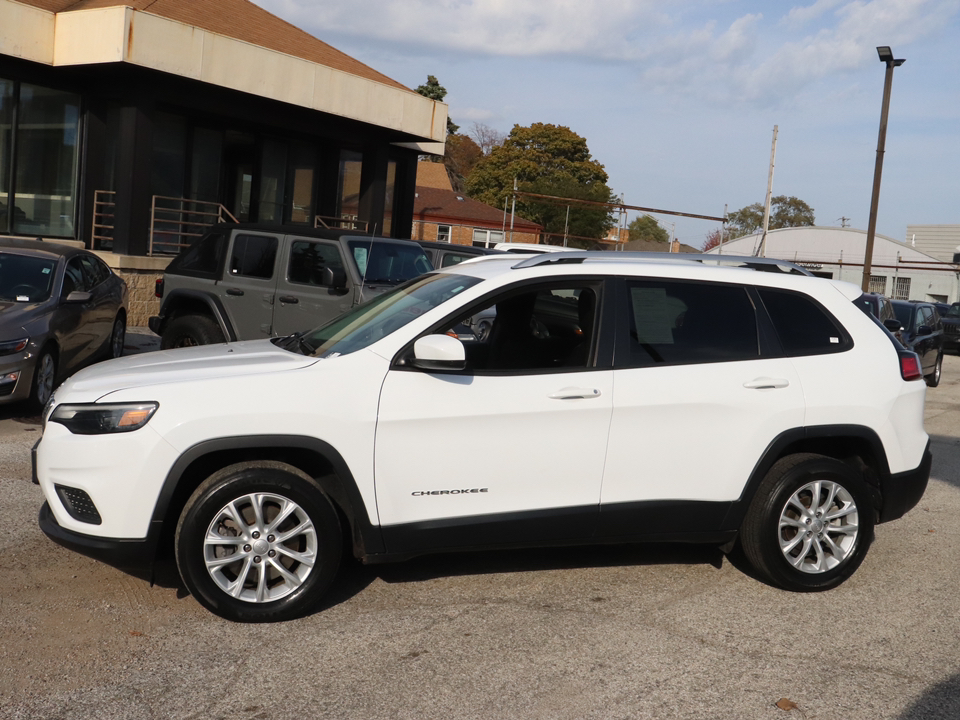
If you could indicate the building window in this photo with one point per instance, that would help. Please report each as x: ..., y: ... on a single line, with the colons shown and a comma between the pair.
x: 389, y: 198
x: 486, y: 238
x: 901, y: 288
x: 6, y: 152
x: 878, y: 284
x: 45, y: 186
x: 273, y: 172
x: 348, y: 191
x: 443, y: 233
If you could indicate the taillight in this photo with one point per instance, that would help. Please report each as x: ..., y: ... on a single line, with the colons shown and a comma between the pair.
x: 910, y: 366
x: 158, y: 288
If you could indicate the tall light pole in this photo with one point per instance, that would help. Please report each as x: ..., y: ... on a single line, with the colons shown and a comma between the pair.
x: 886, y: 56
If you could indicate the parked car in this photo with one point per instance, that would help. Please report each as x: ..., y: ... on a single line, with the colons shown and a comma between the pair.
x: 922, y: 332
x: 61, y: 308
x: 443, y: 254
x: 950, y: 318
x: 247, y: 281
x: 263, y: 462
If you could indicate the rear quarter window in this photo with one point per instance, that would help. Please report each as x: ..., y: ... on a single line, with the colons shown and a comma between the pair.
x: 803, y: 326
x: 203, y: 258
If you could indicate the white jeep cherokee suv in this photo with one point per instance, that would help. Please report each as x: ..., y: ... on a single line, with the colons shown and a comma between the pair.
x: 658, y: 399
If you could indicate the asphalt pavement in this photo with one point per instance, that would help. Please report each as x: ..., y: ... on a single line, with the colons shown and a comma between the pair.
x: 657, y: 631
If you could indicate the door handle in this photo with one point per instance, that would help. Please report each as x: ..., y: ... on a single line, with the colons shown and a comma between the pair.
x: 234, y: 291
x: 575, y: 393
x: 765, y: 383
x: 289, y: 299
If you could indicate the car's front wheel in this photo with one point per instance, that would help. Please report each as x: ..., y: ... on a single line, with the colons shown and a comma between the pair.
x: 810, y: 524
x: 191, y: 330
x: 258, y: 542
x: 117, y: 336
x: 44, y: 379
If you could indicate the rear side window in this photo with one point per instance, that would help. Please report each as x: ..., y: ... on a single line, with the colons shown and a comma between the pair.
x: 453, y: 258
x: 803, y: 326
x: 253, y: 256
x: 203, y: 258
x: 673, y: 323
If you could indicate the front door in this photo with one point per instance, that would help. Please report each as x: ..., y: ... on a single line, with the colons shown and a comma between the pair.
x: 303, y: 301
x: 511, y: 448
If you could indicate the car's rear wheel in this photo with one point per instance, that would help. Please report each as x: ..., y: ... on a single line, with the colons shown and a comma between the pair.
x: 933, y: 379
x: 117, y: 336
x: 810, y: 524
x: 191, y: 330
x: 44, y: 379
x: 258, y: 542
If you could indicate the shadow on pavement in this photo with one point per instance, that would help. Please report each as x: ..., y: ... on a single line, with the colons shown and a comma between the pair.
x: 941, y: 702
x: 946, y: 459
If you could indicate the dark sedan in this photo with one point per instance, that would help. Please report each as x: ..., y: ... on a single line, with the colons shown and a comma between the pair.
x: 922, y: 332
x: 60, y: 308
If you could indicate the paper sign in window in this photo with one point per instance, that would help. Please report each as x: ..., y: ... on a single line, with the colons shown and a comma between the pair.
x: 653, y: 316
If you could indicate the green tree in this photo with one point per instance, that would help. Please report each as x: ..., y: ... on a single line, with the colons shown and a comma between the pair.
x: 645, y: 227
x: 785, y: 211
x: 435, y: 91
x: 547, y: 160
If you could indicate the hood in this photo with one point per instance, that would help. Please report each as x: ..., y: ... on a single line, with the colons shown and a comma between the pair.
x: 14, y: 315
x: 207, y: 362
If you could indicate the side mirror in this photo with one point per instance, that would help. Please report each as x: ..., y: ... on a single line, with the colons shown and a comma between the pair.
x: 892, y: 324
x: 78, y: 296
x: 439, y: 352
x: 924, y: 330
x: 335, y: 278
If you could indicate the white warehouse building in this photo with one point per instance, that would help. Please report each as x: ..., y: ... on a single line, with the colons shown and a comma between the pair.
x: 898, y: 270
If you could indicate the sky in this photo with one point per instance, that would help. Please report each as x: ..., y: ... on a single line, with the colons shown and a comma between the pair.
x: 678, y: 99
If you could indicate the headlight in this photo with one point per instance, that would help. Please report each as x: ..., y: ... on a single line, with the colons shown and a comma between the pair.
x: 101, y: 419
x: 9, y: 347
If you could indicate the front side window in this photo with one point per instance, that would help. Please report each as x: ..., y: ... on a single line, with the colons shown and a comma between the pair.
x: 371, y: 321
x: 309, y: 259
x: 73, y: 278
x: 803, y: 326
x: 25, y: 279
x: 537, y: 329
x: 253, y: 256
x: 675, y: 323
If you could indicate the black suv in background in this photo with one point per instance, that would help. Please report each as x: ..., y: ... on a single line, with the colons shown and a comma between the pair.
x: 246, y: 281
x: 443, y: 254
x: 950, y: 317
x: 922, y: 332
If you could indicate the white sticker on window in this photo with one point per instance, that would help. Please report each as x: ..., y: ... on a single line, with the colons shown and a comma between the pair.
x: 23, y: 298
x: 46, y: 271
x: 653, y: 316
x: 835, y: 340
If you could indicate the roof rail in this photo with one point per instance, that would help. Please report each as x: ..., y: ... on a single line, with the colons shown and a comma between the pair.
x: 752, y: 263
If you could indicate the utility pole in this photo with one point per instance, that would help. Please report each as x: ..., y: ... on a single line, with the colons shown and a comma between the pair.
x: 513, y: 208
x: 886, y: 56
x: 843, y: 221
x: 766, y: 204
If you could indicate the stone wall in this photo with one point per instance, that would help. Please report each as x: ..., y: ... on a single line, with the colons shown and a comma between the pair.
x: 141, y: 275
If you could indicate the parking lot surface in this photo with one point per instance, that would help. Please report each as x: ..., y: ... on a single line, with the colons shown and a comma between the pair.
x: 654, y: 631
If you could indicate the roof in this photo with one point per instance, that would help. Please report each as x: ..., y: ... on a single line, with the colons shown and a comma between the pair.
x: 51, y: 249
x: 307, y: 231
x: 827, y: 245
x: 433, y: 175
x: 237, y: 19
x: 435, y: 205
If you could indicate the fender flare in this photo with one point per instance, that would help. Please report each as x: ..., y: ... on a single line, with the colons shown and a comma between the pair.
x: 213, y: 303
x: 342, y: 488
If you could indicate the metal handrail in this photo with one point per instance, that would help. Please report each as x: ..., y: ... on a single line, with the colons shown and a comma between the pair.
x: 188, y: 221
x: 98, y: 240
x: 355, y: 224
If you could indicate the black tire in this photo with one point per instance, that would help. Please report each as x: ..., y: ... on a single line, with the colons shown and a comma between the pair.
x: 767, y: 544
x: 265, y: 595
x: 933, y: 379
x: 117, y: 336
x: 190, y: 330
x: 44, y: 380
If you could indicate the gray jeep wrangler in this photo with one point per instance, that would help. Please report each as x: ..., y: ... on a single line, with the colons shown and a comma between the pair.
x: 246, y: 281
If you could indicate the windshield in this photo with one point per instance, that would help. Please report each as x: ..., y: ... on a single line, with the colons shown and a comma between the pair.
x: 367, y: 323
x: 384, y: 262
x: 24, y: 278
x: 953, y: 312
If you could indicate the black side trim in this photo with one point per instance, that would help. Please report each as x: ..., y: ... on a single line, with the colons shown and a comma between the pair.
x: 367, y: 537
x: 134, y: 556
x: 811, y: 439
x: 556, y: 526
x: 902, y: 491
x: 663, y: 520
x: 213, y: 303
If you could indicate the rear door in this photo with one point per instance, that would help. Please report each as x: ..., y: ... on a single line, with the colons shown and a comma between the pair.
x: 695, y: 405
x: 249, y: 285
x: 303, y: 301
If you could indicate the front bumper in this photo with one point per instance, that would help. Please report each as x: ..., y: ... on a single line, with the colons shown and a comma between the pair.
x: 133, y: 556
x: 22, y: 363
x: 901, y: 492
